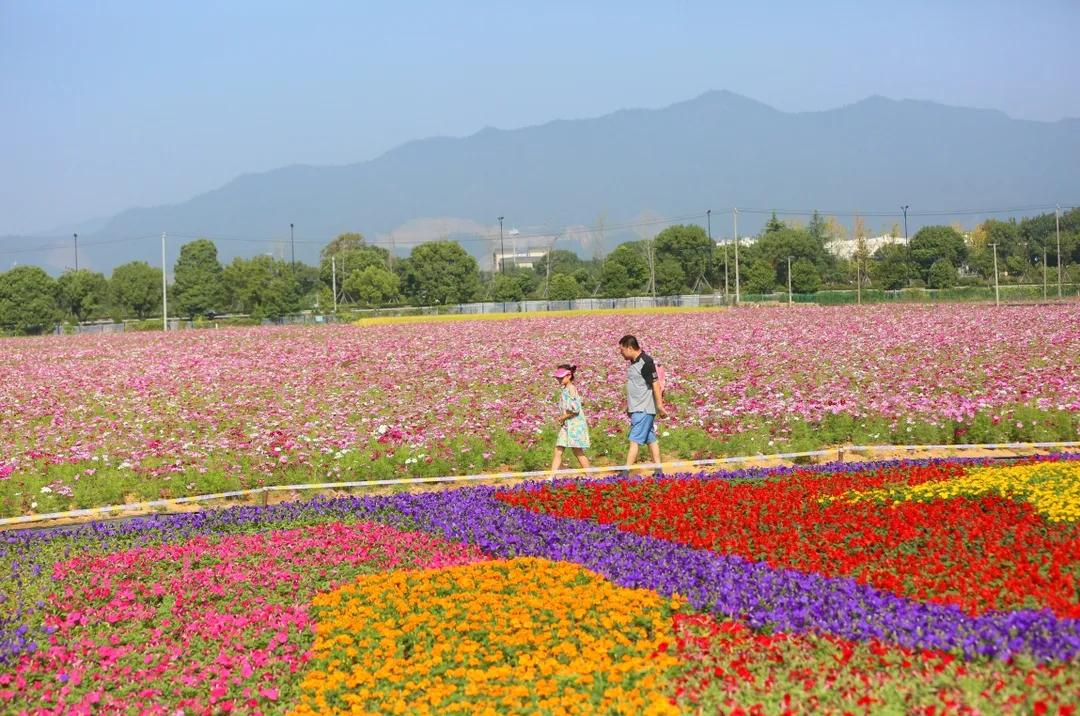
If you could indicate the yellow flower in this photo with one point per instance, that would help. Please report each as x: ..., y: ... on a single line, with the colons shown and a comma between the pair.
x: 1052, y: 488
x: 488, y: 637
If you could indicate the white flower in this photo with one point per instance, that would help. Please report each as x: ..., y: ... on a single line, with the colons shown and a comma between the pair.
x: 46, y: 489
x: 665, y: 433
x: 381, y: 430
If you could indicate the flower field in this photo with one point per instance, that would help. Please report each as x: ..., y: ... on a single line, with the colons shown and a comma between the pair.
x: 924, y: 586
x: 96, y: 420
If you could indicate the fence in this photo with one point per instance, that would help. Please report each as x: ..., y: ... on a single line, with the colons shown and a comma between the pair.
x: 959, y: 294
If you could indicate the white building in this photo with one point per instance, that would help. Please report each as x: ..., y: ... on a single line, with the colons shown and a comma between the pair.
x: 522, y: 259
x: 845, y: 248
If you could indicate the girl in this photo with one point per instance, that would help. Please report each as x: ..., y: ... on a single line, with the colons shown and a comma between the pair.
x: 573, y: 430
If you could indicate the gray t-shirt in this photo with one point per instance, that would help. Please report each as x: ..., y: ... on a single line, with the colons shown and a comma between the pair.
x: 640, y: 376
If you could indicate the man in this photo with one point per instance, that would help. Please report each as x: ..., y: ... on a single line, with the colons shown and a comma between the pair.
x: 644, y: 399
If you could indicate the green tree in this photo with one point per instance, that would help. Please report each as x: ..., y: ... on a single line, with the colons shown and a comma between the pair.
x: 760, y: 277
x: 562, y: 261
x: 564, y: 287
x: 690, y: 247
x: 374, y: 286
x: 441, y: 272
x: 516, y: 284
x: 506, y: 288
x: 308, y: 278
x: 261, y: 286
x: 352, y: 257
x: 27, y: 300
x: 348, y: 241
x: 631, y: 256
x: 818, y: 229
x: 198, y: 285
x: 135, y: 289
x: 670, y: 279
x: 805, y: 277
x: 81, y: 293
x: 942, y: 274
x: 774, y: 225
x: 614, y: 279
x: 931, y: 243
x: 889, y: 268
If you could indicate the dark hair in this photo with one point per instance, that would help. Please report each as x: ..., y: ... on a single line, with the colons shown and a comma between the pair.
x: 629, y: 341
x: 571, y: 368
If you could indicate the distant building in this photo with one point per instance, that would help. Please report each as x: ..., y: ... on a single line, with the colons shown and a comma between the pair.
x: 521, y: 259
x: 845, y: 248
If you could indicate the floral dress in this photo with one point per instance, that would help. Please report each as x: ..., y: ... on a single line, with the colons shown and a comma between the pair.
x: 575, y: 431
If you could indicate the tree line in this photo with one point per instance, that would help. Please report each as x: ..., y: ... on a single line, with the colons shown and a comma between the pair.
x: 680, y: 259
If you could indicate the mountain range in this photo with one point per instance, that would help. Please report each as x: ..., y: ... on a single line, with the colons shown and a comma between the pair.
x: 631, y: 170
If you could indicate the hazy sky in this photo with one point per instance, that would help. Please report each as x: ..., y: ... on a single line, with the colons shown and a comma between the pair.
x: 109, y: 105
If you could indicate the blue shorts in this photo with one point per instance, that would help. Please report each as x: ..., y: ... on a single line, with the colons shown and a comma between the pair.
x: 641, y: 428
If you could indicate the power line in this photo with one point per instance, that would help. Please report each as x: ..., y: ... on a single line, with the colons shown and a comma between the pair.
x: 898, y: 213
x: 54, y: 247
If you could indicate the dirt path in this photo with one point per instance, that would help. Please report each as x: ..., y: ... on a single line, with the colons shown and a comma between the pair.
x: 669, y: 467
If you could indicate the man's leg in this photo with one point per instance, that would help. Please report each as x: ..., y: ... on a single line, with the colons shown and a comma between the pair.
x: 654, y: 449
x: 631, y: 455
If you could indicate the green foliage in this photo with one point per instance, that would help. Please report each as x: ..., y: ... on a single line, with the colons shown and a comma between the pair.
x: 515, y: 285
x: 27, y: 300
x: 889, y: 268
x: 135, y: 289
x: 689, y: 247
x: 805, y: 277
x: 942, y: 274
x: 441, y: 272
x: 937, y: 242
x: 670, y: 279
x: 374, y: 286
x: 631, y: 256
x: 564, y: 287
x: 262, y: 286
x: 614, y: 280
x: 198, y: 284
x: 562, y: 262
x: 81, y: 293
x: 760, y: 277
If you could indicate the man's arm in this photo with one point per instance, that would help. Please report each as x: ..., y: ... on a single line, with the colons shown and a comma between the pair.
x: 660, y: 410
x: 652, y: 379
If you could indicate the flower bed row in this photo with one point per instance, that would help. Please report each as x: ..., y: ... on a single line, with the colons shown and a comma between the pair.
x: 477, y: 600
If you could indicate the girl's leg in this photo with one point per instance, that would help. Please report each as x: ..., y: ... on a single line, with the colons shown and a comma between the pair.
x: 580, y: 455
x: 556, y: 460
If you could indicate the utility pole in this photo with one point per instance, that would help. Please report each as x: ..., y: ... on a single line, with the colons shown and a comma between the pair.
x: 393, y: 250
x: 502, y: 248
x: 333, y: 279
x: 997, y: 293
x: 1044, y: 269
x: 858, y: 281
x: 789, y: 301
x: 292, y: 246
x: 76, y: 251
x: 164, y: 289
x: 907, y: 245
x: 1057, y: 228
x: 735, y: 220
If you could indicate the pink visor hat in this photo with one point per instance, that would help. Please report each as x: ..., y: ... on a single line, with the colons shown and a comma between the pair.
x: 562, y: 373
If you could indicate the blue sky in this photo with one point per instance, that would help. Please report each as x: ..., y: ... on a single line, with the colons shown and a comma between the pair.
x: 110, y: 105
